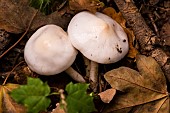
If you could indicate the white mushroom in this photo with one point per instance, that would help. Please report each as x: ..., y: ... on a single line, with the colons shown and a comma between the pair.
x: 98, y: 37
x: 49, y: 51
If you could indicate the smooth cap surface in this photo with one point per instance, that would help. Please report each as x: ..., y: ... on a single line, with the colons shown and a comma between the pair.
x: 49, y: 51
x: 98, y: 37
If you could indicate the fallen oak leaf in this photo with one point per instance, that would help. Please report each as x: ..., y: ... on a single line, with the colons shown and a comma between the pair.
x: 144, y: 91
x: 15, y: 17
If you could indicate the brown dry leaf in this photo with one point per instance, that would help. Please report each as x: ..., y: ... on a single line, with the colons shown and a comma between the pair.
x: 15, y: 16
x: 118, y: 17
x: 141, y: 92
x: 7, y: 105
x: 131, y: 37
x: 107, y: 95
x: 58, y: 109
x: 90, y: 5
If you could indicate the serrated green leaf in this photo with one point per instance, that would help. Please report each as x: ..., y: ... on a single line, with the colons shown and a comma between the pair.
x: 78, y: 101
x: 71, y: 88
x: 33, y: 95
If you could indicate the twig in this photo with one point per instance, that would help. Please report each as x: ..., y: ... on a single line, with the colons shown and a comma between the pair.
x: 31, y: 20
x: 11, y: 72
x: 16, y: 44
x: 153, y: 23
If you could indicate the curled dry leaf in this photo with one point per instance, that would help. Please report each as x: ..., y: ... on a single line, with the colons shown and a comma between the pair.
x: 141, y: 92
x: 90, y: 5
x: 7, y: 104
x: 118, y: 17
x: 107, y: 95
x: 15, y: 16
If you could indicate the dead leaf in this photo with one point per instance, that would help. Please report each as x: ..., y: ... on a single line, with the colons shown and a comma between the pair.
x: 90, y: 5
x: 58, y: 109
x: 7, y: 104
x: 107, y: 95
x: 131, y: 38
x: 118, y: 17
x: 142, y: 92
x: 15, y: 16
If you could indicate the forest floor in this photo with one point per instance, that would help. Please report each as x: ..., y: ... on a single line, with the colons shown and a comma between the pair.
x: 156, y: 14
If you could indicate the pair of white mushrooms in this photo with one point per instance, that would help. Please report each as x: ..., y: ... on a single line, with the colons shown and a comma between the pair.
x: 50, y: 50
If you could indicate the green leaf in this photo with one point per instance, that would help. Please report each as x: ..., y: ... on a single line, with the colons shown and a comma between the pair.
x: 71, y: 88
x: 33, y: 95
x: 78, y: 101
x: 40, y: 4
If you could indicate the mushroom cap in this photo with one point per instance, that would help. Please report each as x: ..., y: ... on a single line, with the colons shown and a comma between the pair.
x: 98, y: 37
x: 49, y: 51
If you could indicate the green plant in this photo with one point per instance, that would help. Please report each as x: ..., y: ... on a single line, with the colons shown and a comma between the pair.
x: 34, y: 96
x: 78, y: 101
x: 42, y: 5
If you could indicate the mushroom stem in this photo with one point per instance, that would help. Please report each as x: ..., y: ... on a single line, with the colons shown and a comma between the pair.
x: 94, y: 75
x: 75, y: 75
x: 87, y: 66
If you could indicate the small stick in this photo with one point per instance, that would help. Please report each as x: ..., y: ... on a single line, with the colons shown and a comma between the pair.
x: 75, y: 75
x: 11, y: 72
x: 31, y: 20
x: 153, y: 23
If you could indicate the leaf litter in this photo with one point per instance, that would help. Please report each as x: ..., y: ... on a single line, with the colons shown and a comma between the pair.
x: 33, y: 95
x: 118, y: 17
x: 16, y: 14
x: 140, y: 92
x: 144, y: 91
x: 7, y: 104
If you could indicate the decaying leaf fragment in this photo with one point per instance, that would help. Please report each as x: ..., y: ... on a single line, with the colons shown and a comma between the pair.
x: 90, y: 5
x: 7, y: 105
x: 58, y: 109
x: 141, y: 92
x: 107, y: 95
x: 116, y: 16
x: 15, y: 16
